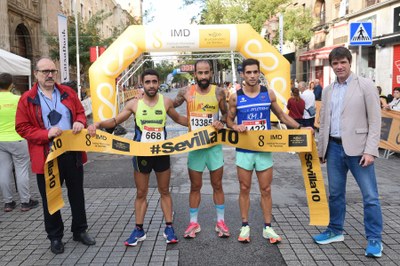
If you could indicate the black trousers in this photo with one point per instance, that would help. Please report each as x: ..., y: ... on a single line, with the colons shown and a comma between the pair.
x: 71, y: 170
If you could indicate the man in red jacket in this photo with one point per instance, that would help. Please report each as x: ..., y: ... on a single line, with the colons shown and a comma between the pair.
x: 43, y: 113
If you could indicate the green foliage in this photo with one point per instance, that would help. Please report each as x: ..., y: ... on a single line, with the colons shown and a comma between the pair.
x: 297, y: 26
x: 297, y: 22
x: 164, y: 68
x: 88, y: 36
x: 182, y: 78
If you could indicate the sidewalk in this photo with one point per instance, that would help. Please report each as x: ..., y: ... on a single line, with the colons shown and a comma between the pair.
x: 111, y: 219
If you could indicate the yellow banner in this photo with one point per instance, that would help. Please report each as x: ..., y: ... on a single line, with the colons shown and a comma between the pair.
x: 390, y: 131
x: 271, y: 140
x: 315, y: 188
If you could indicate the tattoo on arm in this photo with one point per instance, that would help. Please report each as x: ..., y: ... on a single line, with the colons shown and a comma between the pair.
x: 180, y: 97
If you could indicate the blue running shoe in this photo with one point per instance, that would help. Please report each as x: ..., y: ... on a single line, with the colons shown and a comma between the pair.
x: 374, y: 249
x: 328, y: 237
x: 169, y: 235
x: 136, y: 236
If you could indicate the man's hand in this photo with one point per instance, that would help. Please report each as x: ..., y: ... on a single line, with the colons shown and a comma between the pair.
x: 92, y: 129
x: 239, y: 128
x: 366, y: 160
x: 54, y: 132
x: 218, y: 124
x: 77, y: 127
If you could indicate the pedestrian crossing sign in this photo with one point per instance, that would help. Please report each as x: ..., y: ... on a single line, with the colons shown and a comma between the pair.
x: 361, y: 33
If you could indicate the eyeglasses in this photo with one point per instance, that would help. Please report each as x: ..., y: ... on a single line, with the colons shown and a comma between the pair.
x: 48, y: 71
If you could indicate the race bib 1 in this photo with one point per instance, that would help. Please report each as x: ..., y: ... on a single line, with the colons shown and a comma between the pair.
x: 255, y: 124
x: 199, y: 120
x: 152, y: 134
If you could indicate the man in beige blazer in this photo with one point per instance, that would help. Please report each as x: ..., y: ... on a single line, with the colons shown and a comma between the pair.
x: 350, y: 123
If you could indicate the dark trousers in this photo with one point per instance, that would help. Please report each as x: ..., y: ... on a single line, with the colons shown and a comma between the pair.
x: 309, y: 122
x: 72, y: 173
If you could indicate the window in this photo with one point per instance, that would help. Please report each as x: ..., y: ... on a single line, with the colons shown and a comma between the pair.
x: 319, y: 11
x: 371, y: 2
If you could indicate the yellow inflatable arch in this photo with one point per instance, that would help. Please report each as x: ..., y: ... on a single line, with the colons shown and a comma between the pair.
x: 136, y: 40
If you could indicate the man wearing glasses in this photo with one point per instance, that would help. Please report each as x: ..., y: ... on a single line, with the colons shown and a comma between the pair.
x: 43, y: 113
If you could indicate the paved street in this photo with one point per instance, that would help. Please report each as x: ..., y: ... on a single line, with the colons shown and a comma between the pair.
x: 110, y: 194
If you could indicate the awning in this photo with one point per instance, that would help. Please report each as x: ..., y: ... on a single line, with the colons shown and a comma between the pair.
x: 321, y: 53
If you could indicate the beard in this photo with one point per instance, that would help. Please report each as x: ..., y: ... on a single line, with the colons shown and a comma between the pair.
x: 150, y: 94
x: 204, y: 83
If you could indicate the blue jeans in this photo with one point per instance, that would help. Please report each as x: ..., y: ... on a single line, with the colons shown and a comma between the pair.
x: 338, y: 165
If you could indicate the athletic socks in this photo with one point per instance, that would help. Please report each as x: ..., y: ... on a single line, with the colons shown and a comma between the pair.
x: 193, y: 214
x: 220, y: 212
x: 139, y: 226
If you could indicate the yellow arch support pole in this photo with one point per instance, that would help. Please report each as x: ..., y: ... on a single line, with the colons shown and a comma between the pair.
x: 109, y: 66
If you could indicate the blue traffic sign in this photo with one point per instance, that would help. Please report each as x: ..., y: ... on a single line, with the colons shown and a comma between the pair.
x: 361, y: 33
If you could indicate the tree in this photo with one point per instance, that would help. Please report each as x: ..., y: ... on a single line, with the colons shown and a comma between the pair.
x: 297, y: 22
x: 164, y: 68
x: 297, y: 26
x: 88, y: 36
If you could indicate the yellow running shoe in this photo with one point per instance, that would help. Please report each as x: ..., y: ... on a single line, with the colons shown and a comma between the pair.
x: 244, y: 235
x: 270, y: 234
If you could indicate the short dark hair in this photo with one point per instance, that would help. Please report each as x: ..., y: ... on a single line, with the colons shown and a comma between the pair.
x: 339, y: 53
x: 6, y: 80
x: 396, y: 89
x: 149, y: 72
x: 202, y: 61
x: 249, y: 62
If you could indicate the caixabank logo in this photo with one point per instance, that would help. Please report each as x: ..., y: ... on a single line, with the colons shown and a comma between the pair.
x: 120, y: 145
x: 297, y: 140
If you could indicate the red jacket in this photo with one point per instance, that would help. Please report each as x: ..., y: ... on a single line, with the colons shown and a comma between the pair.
x: 29, y: 123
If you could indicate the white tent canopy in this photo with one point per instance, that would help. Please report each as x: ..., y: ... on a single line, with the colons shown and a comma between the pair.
x: 15, y: 64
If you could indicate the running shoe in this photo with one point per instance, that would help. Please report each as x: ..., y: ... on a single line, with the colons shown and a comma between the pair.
x: 270, y: 234
x: 136, y: 236
x: 191, y: 230
x: 169, y: 235
x: 244, y: 235
x: 222, y: 229
x: 327, y: 237
x: 374, y: 249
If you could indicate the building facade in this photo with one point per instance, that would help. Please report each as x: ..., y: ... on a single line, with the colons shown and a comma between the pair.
x: 379, y: 61
x: 25, y: 24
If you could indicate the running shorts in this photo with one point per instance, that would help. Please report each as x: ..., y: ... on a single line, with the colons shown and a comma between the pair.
x: 259, y: 161
x: 212, y: 157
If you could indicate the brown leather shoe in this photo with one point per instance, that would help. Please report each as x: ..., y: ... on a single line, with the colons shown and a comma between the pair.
x: 9, y: 206
x: 30, y: 205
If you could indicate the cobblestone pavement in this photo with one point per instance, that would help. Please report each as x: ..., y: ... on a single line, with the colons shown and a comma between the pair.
x: 111, y: 216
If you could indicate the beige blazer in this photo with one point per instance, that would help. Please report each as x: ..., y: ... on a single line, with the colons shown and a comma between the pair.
x: 360, y: 118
